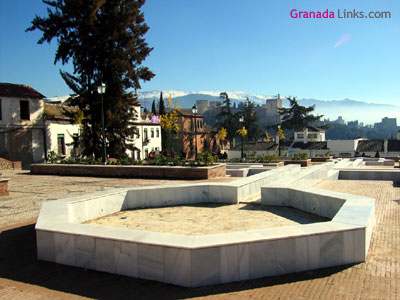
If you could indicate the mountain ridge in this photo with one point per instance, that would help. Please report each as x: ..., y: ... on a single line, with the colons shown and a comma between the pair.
x: 349, y: 109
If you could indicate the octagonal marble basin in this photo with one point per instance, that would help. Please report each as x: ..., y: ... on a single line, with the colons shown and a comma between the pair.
x: 193, y: 261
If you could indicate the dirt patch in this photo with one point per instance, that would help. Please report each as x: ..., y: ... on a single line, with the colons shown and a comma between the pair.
x: 207, y: 218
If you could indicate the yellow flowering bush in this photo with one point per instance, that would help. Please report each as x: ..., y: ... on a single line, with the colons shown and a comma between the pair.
x: 222, y: 133
x: 281, y: 134
x: 242, y: 132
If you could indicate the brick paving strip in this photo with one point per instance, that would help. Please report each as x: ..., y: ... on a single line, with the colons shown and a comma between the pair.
x: 22, y: 276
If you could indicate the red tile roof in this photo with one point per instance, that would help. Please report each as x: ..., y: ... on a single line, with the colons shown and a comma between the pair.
x: 19, y: 91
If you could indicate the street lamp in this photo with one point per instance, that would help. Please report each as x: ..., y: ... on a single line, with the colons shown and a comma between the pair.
x: 241, y: 120
x: 101, y: 89
x: 279, y: 141
x: 194, y: 111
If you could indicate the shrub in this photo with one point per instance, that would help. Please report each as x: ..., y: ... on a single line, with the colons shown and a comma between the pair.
x: 53, y: 157
x: 270, y: 158
x: 205, y: 159
x: 126, y: 161
x: 301, y: 156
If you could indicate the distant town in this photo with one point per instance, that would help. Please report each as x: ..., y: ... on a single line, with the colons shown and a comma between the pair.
x: 34, y: 128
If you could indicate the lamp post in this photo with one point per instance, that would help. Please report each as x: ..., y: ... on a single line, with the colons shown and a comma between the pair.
x: 194, y: 111
x: 101, y: 89
x: 241, y: 120
x: 279, y: 142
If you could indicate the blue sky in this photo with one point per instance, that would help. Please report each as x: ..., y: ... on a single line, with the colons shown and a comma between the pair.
x: 251, y: 46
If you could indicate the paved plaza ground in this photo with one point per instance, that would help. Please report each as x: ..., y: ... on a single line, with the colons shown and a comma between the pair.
x: 22, y: 276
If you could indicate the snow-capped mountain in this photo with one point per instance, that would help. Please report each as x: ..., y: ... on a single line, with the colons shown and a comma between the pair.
x: 350, y: 110
x: 58, y: 99
x: 235, y: 96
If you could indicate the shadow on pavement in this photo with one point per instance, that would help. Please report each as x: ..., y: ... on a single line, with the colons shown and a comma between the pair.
x: 18, y: 262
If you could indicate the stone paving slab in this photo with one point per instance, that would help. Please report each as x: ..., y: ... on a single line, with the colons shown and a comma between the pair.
x: 22, y: 276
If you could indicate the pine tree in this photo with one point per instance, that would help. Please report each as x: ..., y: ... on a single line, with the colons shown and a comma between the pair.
x: 226, y: 118
x: 153, y: 108
x: 297, y: 117
x: 164, y: 132
x: 250, y: 120
x: 104, y: 40
x: 161, y: 105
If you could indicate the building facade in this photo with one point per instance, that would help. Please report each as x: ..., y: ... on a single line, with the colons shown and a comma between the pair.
x: 147, y: 137
x: 195, y: 136
x: 309, y: 134
x: 22, y: 132
x: 62, y: 135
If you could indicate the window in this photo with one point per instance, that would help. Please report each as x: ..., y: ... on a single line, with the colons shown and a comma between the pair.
x: 158, y: 132
x: 152, y: 132
x: 312, y: 136
x: 24, y: 109
x: 61, y: 144
x: 145, y: 134
x: 146, y: 154
x: 300, y: 135
x: 0, y: 111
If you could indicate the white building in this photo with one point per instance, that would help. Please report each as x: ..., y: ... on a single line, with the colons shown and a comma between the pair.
x: 309, y: 134
x: 61, y: 133
x: 148, y: 137
x: 22, y: 132
x: 343, y: 148
x: 30, y: 129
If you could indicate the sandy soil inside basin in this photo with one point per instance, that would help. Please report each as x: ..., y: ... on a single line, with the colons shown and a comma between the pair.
x: 207, y: 218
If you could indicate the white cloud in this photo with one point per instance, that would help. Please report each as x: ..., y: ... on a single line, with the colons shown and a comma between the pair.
x: 344, y: 39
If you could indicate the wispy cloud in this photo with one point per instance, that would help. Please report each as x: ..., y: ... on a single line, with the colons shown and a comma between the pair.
x: 344, y: 39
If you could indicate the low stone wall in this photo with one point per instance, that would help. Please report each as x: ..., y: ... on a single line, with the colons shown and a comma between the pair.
x: 244, y: 172
x: 166, y: 172
x: 16, y: 165
x: 321, y: 159
x: 4, y: 187
x: 277, y: 164
x: 7, y: 164
x: 358, y: 213
x: 303, y: 163
x: 370, y: 174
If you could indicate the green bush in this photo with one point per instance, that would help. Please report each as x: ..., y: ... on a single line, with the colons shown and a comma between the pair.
x: 301, y: 156
x: 271, y: 158
x: 127, y: 161
x: 236, y: 160
x: 53, y: 157
x: 205, y: 159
